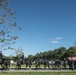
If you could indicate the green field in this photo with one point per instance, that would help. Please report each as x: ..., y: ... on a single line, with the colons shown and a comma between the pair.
x: 37, y: 73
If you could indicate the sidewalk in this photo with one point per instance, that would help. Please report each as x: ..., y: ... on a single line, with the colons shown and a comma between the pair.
x: 39, y: 70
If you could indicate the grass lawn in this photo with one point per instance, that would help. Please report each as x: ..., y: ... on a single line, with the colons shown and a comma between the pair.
x: 37, y: 73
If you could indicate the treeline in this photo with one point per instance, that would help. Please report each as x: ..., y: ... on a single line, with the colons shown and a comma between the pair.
x: 58, y: 53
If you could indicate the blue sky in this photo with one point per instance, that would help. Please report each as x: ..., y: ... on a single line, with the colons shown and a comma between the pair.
x: 46, y: 25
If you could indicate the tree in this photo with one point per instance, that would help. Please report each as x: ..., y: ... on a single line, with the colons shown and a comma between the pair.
x: 18, y: 52
x: 58, y: 53
x: 7, y: 25
x: 71, y: 51
x: 62, y: 51
x: 45, y: 54
x: 75, y: 49
x: 31, y: 57
x: 37, y: 55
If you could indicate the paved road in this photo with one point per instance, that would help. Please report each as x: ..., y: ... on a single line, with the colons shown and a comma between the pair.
x: 39, y: 70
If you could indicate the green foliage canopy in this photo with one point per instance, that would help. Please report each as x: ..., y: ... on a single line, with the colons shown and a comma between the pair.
x: 8, y: 25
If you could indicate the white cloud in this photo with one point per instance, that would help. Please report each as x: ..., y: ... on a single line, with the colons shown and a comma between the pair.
x: 56, y: 40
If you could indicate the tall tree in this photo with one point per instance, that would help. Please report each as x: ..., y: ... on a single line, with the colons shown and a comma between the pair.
x: 30, y: 57
x: 7, y: 25
x: 71, y: 51
x: 18, y: 52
